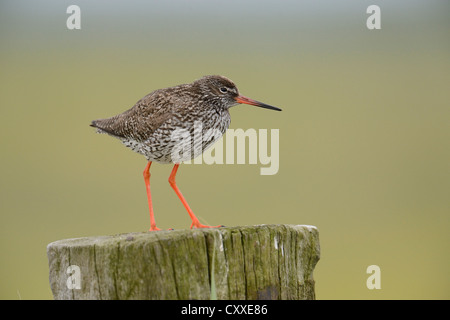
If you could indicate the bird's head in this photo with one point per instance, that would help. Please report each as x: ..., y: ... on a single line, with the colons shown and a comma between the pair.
x: 224, y: 92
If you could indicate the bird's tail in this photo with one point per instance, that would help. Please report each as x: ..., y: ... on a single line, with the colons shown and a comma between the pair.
x: 95, y: 125
x: 101, y: 126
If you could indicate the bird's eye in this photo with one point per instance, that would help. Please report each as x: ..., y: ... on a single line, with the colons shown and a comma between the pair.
x: 223, y: 90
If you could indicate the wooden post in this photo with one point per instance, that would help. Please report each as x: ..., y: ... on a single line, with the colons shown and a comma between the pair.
x: 250, y: 262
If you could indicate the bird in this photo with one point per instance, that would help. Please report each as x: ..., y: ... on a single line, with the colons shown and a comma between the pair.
x: 160, y: 126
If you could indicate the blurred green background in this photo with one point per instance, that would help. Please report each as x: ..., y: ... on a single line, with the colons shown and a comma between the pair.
x: 364, y: 132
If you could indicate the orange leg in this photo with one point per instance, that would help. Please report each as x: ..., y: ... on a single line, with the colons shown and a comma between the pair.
x: 195, y: 222
x: 149, y: 196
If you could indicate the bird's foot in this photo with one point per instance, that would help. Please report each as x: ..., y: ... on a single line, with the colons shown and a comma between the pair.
x: 158, y: 229
x: 197, y: 224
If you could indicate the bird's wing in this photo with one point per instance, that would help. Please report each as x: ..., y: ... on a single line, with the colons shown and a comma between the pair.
x: 139, y: 122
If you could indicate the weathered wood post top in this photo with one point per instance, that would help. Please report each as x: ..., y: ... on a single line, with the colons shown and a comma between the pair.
x: 247, y: 262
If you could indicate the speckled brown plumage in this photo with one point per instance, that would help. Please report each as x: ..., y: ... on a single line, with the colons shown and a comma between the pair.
x: 148, y: 127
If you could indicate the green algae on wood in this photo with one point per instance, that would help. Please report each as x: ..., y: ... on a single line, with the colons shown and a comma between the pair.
x: 249, y: 262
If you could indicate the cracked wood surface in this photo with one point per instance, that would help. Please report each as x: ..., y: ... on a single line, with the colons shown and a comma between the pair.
x: 250, y: 262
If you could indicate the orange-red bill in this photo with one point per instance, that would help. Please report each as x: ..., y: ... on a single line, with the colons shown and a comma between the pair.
x: 245, y: 100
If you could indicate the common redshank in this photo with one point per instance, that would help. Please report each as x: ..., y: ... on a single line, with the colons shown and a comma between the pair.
x: 163, y: 122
